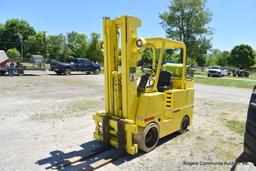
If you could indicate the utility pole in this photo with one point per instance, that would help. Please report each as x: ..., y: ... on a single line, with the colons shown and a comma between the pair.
x: 21, y: 46
x: 65, y: 48
x: 45, y: 47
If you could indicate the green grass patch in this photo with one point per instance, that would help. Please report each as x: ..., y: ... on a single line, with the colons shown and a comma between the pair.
x: 225, y: 82
x: 198, y: 72
x: 253, y: 75
x: 236, y: 126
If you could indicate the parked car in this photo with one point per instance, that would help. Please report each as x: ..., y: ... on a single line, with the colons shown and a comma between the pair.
x: 217, y: 71
x: 240, y: 72
x: 79, y: 64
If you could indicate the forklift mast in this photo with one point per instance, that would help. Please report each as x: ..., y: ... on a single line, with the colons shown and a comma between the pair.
x: 120, y: 35
x: 120, y: 81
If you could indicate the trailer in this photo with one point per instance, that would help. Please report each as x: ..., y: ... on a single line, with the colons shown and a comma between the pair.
x: 4, y: 67
x: 3, y: 61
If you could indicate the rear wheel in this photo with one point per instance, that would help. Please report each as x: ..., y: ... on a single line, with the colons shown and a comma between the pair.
x: 97, y: 71
x: 184, y: 124
x: 148, y: 137
x: 67, y: 71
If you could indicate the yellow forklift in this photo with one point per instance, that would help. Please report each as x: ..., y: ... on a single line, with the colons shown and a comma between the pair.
x: 139, y: 111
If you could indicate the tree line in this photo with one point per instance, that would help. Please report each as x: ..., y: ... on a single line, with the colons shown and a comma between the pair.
x: 188, y: 21
x: 185, y: 20
x: 18, y: 38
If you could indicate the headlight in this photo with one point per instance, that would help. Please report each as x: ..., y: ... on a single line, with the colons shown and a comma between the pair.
x: 139, y: 43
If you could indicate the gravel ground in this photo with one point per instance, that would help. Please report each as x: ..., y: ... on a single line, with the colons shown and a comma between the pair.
x: 45, y: 118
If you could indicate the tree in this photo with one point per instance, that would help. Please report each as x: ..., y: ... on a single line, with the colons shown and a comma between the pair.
x: 14, y: 32
x: 94, y: 52
x: 221, y: 58
x: 242, y: 56
x: 13, y: 53
x: 37, y: 44
x: 147, y: 55
x: 77, y: 44
x: 56, y: 47
x: 210, y: 61
x: 187, y: 21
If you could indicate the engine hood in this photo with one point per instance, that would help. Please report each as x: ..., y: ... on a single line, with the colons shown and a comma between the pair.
x: 216, y: 70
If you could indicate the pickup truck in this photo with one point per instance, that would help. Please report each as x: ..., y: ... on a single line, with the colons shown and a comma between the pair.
x: 79, y: 64
x: 217, y: 71
x: 240, y: 72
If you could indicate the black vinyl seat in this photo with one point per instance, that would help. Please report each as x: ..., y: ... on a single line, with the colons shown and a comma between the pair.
x: 164, y: 81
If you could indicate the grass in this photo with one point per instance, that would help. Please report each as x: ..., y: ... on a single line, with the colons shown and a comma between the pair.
x: 198, y: 72
x: 236, y: 126
x: 226, y: 82
x: 253, y: 75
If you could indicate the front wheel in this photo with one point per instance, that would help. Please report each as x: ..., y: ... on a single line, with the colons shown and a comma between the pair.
x: 97, y: 71
x: 67, y: 71
x: 184, y: 124
x: 2, y: 73
x: 148, y: 137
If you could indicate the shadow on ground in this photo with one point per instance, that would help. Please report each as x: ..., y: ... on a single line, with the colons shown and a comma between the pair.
x: 58, y: 156
x: 53, y: 74
x: 26, y: 74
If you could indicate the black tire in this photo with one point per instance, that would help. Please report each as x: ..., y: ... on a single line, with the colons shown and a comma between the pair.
x: 184, y: 125
x: 250, y: 143
x: 97, y: 71
x: 209, y: 75
x: 250, y: 137
x: 250, y: 127
x: 2, y: 73
x: 58, y: 72
x: 20, y: 72
x: 148, y: 137
x: 67, y: 71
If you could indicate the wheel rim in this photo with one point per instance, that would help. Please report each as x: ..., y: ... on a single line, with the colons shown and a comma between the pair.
x: 151, y: 137
x: 67, y: 71
x: 97, y: 71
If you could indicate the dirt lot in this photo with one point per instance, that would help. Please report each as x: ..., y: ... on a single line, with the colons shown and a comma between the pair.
x: 45, y: 118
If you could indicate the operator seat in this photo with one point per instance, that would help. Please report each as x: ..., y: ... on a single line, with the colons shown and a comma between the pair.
x: 164, y: 81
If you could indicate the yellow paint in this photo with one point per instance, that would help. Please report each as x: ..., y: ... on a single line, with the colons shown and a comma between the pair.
x: 167, y: 109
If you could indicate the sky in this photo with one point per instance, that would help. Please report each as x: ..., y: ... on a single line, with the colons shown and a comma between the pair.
x: 233, y: 21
